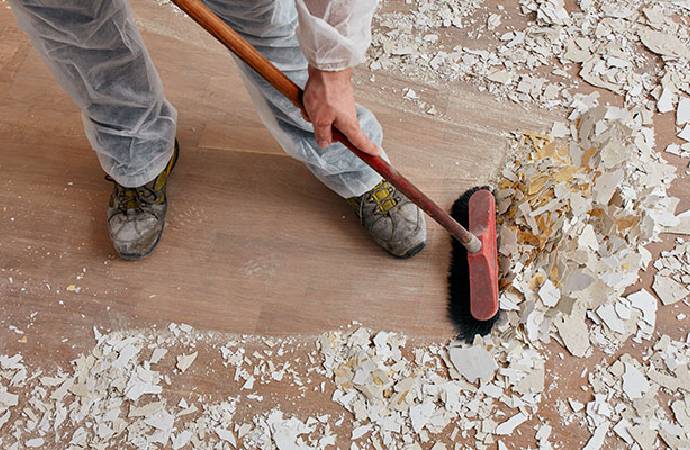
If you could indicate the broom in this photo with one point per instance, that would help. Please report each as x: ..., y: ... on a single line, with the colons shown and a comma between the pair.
x: 479, y: 242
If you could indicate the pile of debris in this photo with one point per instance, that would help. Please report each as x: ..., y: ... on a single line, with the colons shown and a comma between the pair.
x: 449, y: 393
x: 536, y: 64
x: 626, y: 398
x: 121, y: 393
x: 396, y: 395
x: 672, y: 279
x: 574, y: 218
x: 116, y: 395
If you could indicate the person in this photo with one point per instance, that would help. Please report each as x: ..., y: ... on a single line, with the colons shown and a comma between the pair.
x: 97, y: 55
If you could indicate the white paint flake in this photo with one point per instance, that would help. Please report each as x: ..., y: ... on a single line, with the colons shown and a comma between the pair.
x: 184, y: 362
x: 508, y: 427
x: 474, y: 363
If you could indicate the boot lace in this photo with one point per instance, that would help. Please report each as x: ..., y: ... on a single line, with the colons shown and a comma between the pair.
x: 382, y: 196
x: 135, y: 198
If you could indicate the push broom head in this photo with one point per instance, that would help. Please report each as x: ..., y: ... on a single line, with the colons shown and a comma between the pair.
x: 473, y: 277
x: 483, y: 265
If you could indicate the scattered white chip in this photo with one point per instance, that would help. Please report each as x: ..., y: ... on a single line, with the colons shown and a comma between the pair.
x: 549, y: 294
x: 560, y: 130
x: 157, y: 355
x: 634, y: 382
x: 181, y: 439
x: 612, y: 320
x: 411, y: 94
x: 508, y: 427
x: 597, y: 439
x: 669, y: 290
x: 249, y: 383
x: 645, y: 302
x: 673, y: 149
x: 500, y: 76
x: 35, y: 443
x: 493, y: 21
x: 226, y: 435
x: 184, y: 362
x: 664, y: 43
x: 588, y: 239
x: 7, y: 399
x: 685, y: 133
x: 665, y: 102
x: 683, y: 111
x: 474, y: 363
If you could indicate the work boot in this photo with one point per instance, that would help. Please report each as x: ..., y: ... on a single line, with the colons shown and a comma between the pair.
x: 136, y: 216
x: 395, y: 223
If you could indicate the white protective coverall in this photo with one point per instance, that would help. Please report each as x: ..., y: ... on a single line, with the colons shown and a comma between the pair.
x: 98, y: 56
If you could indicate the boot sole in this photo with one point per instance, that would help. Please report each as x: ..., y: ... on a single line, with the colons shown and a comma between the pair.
x: 412, y: 252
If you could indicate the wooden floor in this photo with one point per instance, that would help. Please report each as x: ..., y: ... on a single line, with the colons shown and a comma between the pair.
x: 253, y: 243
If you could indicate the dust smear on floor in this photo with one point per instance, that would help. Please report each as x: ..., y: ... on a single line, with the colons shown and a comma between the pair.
x: 578, y: 205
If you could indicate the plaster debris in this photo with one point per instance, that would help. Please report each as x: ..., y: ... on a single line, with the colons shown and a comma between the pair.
x: 685, y: 133
x: 474, y: 363
x: 399, y: 396
x: 603, y: 37
x: 493, y: 21
x: 410, y: 94
x: 683, y: 112
x: 669, y: 290
x: 35, y: 443
x: 611, y: 318
x: 676, y: 149
x: 560, y: 130
x: 627, y: 395
x: 549, y: 294
x: 393, y: 393
x: 645, y: 302
x: 508, y: 427
x: 565, y: 251
x: 664, y: 44
x: 157, y: 355
x: 665, y: 102
x: 573, y: 331
x: 672, y: 280
x: 110, y: 398
x: 597, y: 439
x: 184, y: 362
x: 634, y: 382
x: 7, y: 399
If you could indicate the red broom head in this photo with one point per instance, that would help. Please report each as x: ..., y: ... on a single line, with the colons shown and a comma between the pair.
x: 483, y: 265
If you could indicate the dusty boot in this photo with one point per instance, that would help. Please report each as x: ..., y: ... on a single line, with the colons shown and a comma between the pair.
x: 136, y: 216
x: 395, y: 223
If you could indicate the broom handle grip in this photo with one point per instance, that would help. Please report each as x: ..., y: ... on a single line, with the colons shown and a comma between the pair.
x: 247, y: 53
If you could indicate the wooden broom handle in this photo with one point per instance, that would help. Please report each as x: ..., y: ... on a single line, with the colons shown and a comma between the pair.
x: 247, y: 53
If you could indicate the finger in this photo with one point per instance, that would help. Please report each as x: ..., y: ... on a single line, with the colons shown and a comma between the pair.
x: 354, y: 133
x: 324, y: 136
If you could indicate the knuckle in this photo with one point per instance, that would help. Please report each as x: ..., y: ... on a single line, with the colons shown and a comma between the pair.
x: 322, y: 122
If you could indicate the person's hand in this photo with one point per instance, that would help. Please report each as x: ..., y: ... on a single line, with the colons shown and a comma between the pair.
x: 329, y: 101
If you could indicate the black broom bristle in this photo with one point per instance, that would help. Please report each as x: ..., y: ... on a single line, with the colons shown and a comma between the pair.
x: 459, y: 279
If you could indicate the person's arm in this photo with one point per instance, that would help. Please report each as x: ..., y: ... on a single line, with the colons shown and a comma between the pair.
x: 334, y: 35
